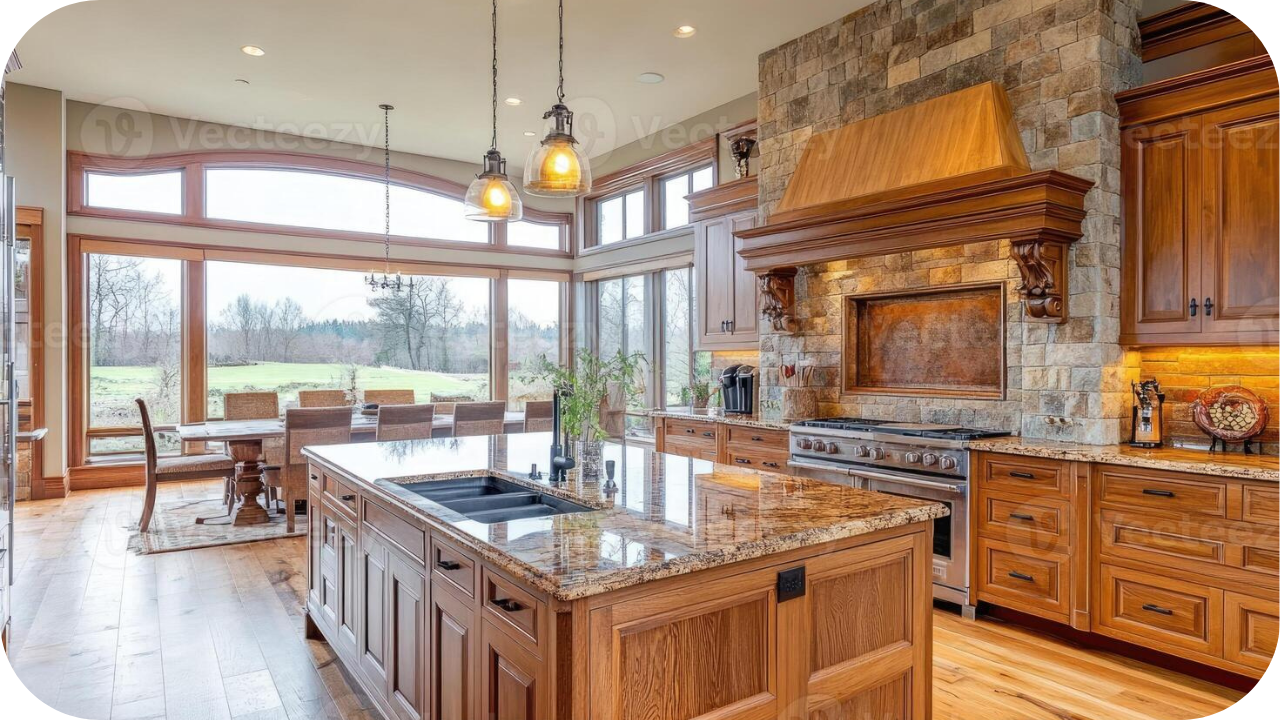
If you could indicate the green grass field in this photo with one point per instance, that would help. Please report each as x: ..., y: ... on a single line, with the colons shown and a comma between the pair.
x: 113, y: 388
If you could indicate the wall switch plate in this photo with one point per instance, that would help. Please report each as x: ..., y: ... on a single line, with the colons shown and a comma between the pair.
x: 791, y: 584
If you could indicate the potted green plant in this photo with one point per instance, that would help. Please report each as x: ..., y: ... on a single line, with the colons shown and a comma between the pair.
x: 698, y: 394
x: 584, y: 389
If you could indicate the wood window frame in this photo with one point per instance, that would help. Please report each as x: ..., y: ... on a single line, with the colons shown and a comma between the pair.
x: 660, y: 201
x: 193, y: 167
x: 194, y: 331
x: 30, y: 224
x: 647, y: 175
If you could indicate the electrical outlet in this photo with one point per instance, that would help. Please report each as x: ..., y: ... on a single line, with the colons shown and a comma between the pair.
x: 791, y: 584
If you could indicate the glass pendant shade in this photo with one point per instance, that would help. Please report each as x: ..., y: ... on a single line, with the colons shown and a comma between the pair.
x: 491, y: 197
x: 557, y: 167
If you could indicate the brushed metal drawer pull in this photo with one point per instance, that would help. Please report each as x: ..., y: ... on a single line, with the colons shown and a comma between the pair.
x: 770, y: 464
x: 1023, y: 475
x: 756, y: 438
x: 689, y: 430
x: 1022, y: 516
x: 742, y: 461
x: 448, y: 565
x: 709, y: 433
x: 1157, y: 609
x: 1021, y: 576
x: 1158, y: 493
x: 508, y: 605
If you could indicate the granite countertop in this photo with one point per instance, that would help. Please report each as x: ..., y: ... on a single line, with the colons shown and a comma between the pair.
x: 664, y: 517
x: 1235, y: 464
x: 705, y: 416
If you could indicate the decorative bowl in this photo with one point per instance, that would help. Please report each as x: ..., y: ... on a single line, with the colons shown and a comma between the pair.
x: 1230, y: 413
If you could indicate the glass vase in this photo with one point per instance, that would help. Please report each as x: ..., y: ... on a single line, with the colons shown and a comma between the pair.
x: 590, y: 457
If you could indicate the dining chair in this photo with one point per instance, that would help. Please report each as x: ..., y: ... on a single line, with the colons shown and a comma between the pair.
x: 323, y: 398
x: 445, y: 404
x: 389, y: 397
x: 168, y: 469
x: 537, y: 416
x: 303, y: 427
x: 405, y: 422
x: 258, y: 406
x: 479, y: 418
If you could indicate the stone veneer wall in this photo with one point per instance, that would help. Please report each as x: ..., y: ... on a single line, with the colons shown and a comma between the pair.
x: 1061, y: 62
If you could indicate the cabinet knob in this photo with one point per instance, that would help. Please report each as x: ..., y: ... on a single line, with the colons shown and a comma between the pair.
x: 1208, y: 307
x: 1193, y: 307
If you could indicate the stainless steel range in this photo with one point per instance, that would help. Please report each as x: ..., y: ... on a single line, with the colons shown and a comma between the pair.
x: 917, y: 460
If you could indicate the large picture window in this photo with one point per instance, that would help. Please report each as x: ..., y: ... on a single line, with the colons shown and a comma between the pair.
x: 133, y: 323
x: 286, y: 329
x: 142, y: 192
x: 533, y: 331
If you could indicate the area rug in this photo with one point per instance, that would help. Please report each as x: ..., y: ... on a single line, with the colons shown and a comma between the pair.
x: 174, y: 527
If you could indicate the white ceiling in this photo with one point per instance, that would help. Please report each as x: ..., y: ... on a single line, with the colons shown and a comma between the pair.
x: 329, y: 63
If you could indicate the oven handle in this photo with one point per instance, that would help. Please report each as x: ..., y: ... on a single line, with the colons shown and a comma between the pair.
x: 886, y: 477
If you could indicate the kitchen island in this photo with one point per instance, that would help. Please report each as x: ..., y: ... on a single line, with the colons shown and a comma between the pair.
x: 682, y: 589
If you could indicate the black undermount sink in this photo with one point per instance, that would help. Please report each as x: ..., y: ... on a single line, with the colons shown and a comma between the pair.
x: 487, y: 499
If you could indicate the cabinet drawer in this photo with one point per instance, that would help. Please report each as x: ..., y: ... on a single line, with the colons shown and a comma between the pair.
x: 749, y: 439
x: 1216, y: 547
x: 1023, y: 579
x: 1260, y: 504
x: 409, y: 538
x: 343, y: 495
x: 1041, y: 525
x: 452, y: 568
x: 691, y: 449
x: 1160, y: 613
x: 758, y: 461
x: 1135, y: 488
x: 1026, y: 475
x: 691, y: 432
x: 1250, y: 629
x: 510, y: 607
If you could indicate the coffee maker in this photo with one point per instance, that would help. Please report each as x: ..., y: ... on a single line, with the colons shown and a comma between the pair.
x: 1148, y: 415
x: 738, y: 389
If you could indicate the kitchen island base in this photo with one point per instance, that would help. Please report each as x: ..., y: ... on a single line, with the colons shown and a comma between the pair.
x: 432, y: 629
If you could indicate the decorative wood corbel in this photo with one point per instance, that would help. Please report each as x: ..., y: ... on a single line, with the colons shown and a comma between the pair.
x: 778, y: 291
x: 1042, y: 262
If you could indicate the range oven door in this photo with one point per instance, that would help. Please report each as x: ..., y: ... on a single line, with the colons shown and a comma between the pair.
x: 950, y: 533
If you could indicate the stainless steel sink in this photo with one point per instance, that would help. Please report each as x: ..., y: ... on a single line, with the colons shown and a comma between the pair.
x: 487, y: 499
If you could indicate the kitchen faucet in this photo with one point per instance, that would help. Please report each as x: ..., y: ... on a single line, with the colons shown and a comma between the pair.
x: 561, y: 462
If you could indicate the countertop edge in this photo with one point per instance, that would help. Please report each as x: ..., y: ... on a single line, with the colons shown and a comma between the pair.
x: 1116, y: 455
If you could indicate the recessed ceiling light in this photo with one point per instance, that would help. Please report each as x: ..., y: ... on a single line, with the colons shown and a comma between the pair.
x: 513, y: 101
x: 530, y: 133
x: 650, y: 78
x: 685, y: 31
x: 253, y: 50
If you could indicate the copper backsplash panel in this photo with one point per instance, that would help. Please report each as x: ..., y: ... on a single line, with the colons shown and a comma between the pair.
x: 946, y: 342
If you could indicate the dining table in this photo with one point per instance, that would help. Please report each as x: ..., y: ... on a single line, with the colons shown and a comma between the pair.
x: 245, y: 438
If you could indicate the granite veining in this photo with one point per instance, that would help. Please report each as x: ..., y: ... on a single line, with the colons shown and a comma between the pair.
x: 664, y: 515
x: 1235, y: 465
x: 754, y: 421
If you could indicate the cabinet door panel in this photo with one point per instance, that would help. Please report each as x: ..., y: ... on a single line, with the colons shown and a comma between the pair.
x: 1162, y: 229
x: 1242, y: 216
x: 407, y: 635
x: 1251, y: 629
x: 453, y: 656
x: 746, y: 313
x: 715, y: 269
x: 373, y: 611
x: 511, y: 677
x: 348, y: 586
x: 329, y: 580
x: 315, y: 538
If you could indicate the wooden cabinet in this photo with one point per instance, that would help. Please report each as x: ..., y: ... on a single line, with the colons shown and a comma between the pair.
x: 406, y: 619
x: 726, y: 443
x: 453, y: 656
x: 728, y: 309
x: 372, y: 651
x: 512, y: 679
x: 1201, y: 168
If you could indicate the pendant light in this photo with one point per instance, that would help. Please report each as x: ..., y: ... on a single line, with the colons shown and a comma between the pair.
x: 386, y: 281
x: 557, y: 167
x: 491, y: 196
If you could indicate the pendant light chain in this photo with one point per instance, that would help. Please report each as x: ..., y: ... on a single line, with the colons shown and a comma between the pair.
x: 386, y: 177
x: 560, y: 87
x: 494, y: 143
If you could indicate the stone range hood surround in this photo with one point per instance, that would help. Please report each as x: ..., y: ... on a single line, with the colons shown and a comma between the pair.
x: 946, y: 171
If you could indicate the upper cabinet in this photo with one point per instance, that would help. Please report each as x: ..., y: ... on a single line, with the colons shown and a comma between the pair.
x: 1201, y: 172
x: 728, y: 300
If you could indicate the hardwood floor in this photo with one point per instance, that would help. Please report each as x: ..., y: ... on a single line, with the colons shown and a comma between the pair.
x: 102, y: 633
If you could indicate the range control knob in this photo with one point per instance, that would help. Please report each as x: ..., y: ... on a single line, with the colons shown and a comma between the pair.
x: 876, y: 453
x: 832, y: 448
x: 860, y: 451
x: 947, y: 463
x: 929, y: 459
x: 819, y: 446
x: 805, y: 444
x: 913, y: 457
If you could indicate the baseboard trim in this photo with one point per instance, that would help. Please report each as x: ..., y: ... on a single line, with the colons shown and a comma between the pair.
x: 99, y: 477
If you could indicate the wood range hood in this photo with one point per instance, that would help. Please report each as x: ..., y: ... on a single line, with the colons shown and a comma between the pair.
x: 946, y: 171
